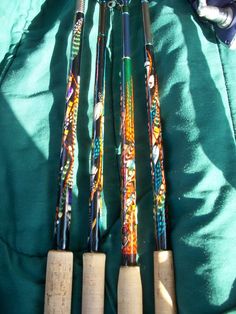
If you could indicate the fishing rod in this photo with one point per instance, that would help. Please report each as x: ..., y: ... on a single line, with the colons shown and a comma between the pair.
x: 164, y: 285
x: 59, y: 271
x: 94, y: 262
x: 129, y: 281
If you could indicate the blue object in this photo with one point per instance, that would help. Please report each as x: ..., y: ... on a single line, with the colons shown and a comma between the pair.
x: 216, y: 10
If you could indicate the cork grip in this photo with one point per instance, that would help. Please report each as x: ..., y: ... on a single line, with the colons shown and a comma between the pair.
x: 93, y: 283
x: 164, y: 284
x: 130, y: 299
x: 58, y: 282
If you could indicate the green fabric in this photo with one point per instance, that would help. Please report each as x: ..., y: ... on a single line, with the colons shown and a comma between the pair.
x: 197, y: 79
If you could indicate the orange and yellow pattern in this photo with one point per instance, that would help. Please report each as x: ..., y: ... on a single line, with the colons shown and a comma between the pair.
x: 128, y: 171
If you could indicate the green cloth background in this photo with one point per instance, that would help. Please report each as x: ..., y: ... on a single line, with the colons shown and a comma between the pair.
x: 197, y: 79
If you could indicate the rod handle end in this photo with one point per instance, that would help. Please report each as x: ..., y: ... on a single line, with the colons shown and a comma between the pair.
x: 58, y: 287
x: 93, y: 283
x: 164, y: 283
x: 130, y: 290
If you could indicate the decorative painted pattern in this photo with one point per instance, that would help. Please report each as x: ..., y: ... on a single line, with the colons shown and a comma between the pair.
x: 96, y: 178
x: 64, y: 202
x: 156, y: 150
x: 128, y: 170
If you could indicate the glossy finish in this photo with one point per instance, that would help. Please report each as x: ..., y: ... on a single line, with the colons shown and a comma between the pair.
x: 96, y: 178
x: 128, y: 170
x: 155, y: 136
x: 64, y: 202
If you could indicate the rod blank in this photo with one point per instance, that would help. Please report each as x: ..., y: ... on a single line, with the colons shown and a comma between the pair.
x: 94, y: 262
x: 164, y: 286
x: 59, y: 272
x: 129, y: 283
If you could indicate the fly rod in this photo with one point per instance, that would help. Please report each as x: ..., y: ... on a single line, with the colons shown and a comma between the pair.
x: 129, y: 281
x: 164, y: 285
x: 94, y: 262
x: 59, y: 271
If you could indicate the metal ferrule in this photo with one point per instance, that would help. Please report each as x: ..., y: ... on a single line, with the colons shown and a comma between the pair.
x: 80, y: 5
x: 146, y: 23
x: 102, y: 19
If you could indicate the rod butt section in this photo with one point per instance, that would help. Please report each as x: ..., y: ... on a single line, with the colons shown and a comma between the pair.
x: 164, y: 284
x: 130, y: 299
x: 93, y: 283
x: 58, y: 287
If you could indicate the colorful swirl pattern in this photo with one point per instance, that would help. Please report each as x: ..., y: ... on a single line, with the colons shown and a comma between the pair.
x: 128, y: 170
x: 64, y: 202
x: 96, y: 179
x: 156, y: 150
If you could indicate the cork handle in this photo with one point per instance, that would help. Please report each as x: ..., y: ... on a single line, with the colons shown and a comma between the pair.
x: 164, y: 285
x: 93, y: 283
x: 130, y: 299
x: 58, y: 282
